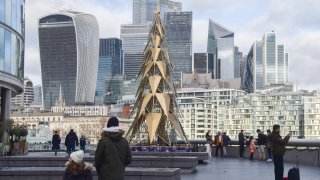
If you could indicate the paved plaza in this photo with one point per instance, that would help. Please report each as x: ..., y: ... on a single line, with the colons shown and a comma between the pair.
x: 230, y: 169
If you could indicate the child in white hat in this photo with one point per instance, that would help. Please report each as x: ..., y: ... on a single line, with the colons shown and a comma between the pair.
x: 76, y: 168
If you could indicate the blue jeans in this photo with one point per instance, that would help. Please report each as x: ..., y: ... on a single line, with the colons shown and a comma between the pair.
x: 71, y: 149
x: 269, y: 153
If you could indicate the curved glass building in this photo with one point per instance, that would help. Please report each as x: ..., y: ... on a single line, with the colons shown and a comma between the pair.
x: 11, y: 53
x: 69, y: 54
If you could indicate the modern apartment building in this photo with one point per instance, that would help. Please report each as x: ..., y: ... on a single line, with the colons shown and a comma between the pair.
x: 69, y: 54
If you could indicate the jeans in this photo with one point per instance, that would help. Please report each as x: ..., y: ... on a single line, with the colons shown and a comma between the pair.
x: 71, y: 149
x: 208, y: 149
x: 241, y: 150
x: 278, y: 166
x: 269, y: 153
x: 225, y: 148
x: 262, y: 154
x: 221, y: 150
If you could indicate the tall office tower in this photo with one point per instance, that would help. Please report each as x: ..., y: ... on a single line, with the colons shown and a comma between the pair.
x: 134, y: 38
x: 221, y: 44
x: 37, y: 91
x: 266, y: 64
x: 11, y: 54
x: 178, y: 27
x: 143, y: 10
x: 203, y: 63
x: 24, y: 99
x: 110, y: 64
x: 237, y: 61
x: 113, y: 88
x: 287, y: 67
x: 242, y: 70
x: 69, y: 53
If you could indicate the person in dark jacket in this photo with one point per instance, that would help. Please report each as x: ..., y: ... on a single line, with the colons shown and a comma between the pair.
x: 262, y: 141
x: 226, y: 140
x: 113, y: 153
x: 56, y: 140
x: 83, y: 143
x: 76, y: 169
x: 218, y: 142
x: 71, y: 141
x: 278, y: 147
x: 241, y: 143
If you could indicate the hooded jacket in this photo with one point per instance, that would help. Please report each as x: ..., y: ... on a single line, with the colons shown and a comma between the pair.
x: 278, y: 145
x: 113, y: 154
x: 71, y: 139
x: 84, y: 174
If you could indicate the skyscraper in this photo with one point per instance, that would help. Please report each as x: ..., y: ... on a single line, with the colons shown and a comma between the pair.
x: 203, y: 63
x: 221, y: 44
x: 110, y: 64
x: 178, y: 27
x: 266, y: 64
x: 11, y: 54
x: 134, y: 38
x: 37, y: 91
x: 237, y: 61
x: 69, y: 50
x: 143, y: 10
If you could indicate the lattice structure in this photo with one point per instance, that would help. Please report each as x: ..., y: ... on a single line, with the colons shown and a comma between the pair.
x: 156, y: 111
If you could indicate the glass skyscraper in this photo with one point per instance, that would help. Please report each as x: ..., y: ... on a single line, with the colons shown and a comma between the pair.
x: 178, y: 27
x: 134, y: 38
x: 266, y: 64
x: 237, y: 61
x: 11, y: 54
x: 221, y: 44
x: 143, y: 10
x: 110, y: 64
x: 69, y: 54
x: 203, y: 63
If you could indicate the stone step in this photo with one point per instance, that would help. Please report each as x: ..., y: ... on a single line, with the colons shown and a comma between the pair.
x: 56, y: 173
x: 186, y: 164
x: 202, y: 156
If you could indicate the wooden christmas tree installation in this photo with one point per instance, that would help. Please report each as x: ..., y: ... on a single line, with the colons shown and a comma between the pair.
x: 156, y: 112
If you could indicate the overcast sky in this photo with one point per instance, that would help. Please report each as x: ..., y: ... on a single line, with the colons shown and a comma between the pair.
x: 296, y: 22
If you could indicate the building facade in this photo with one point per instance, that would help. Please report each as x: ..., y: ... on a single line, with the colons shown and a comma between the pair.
x: 113, y: 88
x: 134, y: 38
x: 237, y: 62
x: 11, y: 54
x: 143, y: 10
x: 69, y: 50
x: 110, y: 64
x: 178, y: 27
x: 37, y: 100
x: 221, y: 44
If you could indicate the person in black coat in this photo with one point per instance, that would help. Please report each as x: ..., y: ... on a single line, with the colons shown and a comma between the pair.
x: 56, y: 140
x: 83, y: 143
x: 71, y: 141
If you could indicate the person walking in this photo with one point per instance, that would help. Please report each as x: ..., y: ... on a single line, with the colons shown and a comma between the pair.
x: 252, y: 147
x: 83, y: 143
x: 226, y: 140
x: 241, y: 143
x: 278, y: 147
x: 56, y: 140
x: 262, y: 141
x: 113, y: 153
x: 209, y: 143
x: 269, y: 146
x: 218, y: 142
x: 71, y: 141
x: 76, y: 168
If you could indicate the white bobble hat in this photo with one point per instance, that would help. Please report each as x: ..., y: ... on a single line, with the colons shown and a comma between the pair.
x: 77, y: 156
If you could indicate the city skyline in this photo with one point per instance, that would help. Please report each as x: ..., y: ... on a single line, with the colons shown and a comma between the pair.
x: 297, y: 32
